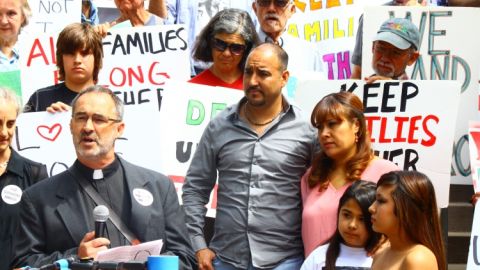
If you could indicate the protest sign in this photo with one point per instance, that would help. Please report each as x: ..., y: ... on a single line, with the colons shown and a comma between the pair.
x: 405, y: 126
x: 332, y: 30
x: 445, y: 54
x: 136, y: 57
x: 38, y: 67
x: 53, y: 15
x: 473, y: 262
x: 133, y: 58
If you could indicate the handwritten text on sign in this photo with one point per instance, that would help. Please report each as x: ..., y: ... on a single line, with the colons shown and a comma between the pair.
x: 405, y: 126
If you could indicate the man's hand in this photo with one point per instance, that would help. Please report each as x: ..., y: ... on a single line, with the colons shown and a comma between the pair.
x: 58, y: 107
x: 375, y: 78
x: 90, y: 246
x: 204, y: 258
x: 102, y: 29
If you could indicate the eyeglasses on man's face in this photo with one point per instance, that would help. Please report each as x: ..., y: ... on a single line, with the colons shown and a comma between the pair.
x: 235, y: 48
x: 97, y: 119
x: 390, y: 52
x: 277, y: 3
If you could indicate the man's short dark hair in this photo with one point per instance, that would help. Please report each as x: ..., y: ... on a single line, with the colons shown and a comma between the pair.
x: 100, y: 89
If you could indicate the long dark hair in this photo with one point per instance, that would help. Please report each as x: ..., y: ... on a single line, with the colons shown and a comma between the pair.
x: 363, y: 192
x: 416, y: 209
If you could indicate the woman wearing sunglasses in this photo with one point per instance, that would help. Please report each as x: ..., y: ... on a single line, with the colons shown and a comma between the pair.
x: 226, y: 42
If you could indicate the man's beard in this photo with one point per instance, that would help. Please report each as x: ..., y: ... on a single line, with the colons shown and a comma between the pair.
x: 390, y: 66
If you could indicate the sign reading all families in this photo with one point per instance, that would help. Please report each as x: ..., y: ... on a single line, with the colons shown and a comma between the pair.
x: 134, y: 57
x: 406, y: 127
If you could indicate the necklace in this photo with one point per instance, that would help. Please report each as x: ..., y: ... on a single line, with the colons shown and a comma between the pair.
x: 3, y: 165
x: 255, y: 123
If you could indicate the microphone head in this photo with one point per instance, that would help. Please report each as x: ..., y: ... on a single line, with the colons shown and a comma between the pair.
x: 100, y: 213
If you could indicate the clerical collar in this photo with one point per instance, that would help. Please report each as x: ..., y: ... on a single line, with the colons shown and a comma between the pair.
x: 90, y: 173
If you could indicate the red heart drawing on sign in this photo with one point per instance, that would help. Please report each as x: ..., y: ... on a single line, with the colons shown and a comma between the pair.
x: 49, y: 133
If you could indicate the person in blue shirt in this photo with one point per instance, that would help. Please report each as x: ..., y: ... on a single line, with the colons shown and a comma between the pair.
x: 89, y: 12
x: 14, y: 16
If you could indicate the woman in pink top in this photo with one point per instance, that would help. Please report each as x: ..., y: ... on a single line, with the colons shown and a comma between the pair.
x: 346, y: 156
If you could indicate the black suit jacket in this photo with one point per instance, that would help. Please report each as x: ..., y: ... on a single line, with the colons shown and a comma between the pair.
x: 22, y: 173
x: 55, y: 217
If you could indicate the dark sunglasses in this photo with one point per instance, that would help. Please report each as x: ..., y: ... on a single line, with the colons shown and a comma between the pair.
x: 277, y: 3
x: 236, y: 49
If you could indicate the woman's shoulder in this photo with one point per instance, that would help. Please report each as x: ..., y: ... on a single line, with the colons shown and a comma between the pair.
x: 383, y: 163
x: 377, y: 167
x: 420, y: 257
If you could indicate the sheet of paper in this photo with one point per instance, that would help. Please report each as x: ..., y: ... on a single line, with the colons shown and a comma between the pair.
x: 131, y: 253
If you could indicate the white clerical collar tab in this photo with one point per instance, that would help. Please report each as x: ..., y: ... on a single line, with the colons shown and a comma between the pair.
x: 97, y: 174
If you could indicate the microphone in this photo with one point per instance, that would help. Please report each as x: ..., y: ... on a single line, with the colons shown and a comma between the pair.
x: 100, y: 214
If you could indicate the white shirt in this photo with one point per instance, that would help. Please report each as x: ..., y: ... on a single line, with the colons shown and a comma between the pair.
x: 349, y: 257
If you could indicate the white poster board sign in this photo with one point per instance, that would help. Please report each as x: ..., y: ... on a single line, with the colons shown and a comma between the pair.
x: 473, y: 262
x: 333, y: 32
x: 53, y: 15
x: 445, y: 54
x: 136, y: 60
x: 405, y: 126
x: 38, y: 66
x: 136, y: 56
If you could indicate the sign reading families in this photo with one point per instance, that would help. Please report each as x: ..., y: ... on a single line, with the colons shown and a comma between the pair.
x: 406, y: 127
x: 134, y: 58
x: 445, y: 54
x: 53, y: 15
x: 137, y: 57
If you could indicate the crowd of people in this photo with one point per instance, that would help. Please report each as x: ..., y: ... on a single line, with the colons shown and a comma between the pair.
x: 292, y: 194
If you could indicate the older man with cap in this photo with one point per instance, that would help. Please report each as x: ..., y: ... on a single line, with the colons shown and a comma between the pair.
x: 394, y: 48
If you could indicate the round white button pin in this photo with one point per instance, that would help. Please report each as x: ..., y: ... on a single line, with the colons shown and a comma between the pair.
x: 11, y: 194
x: 143, y: 196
